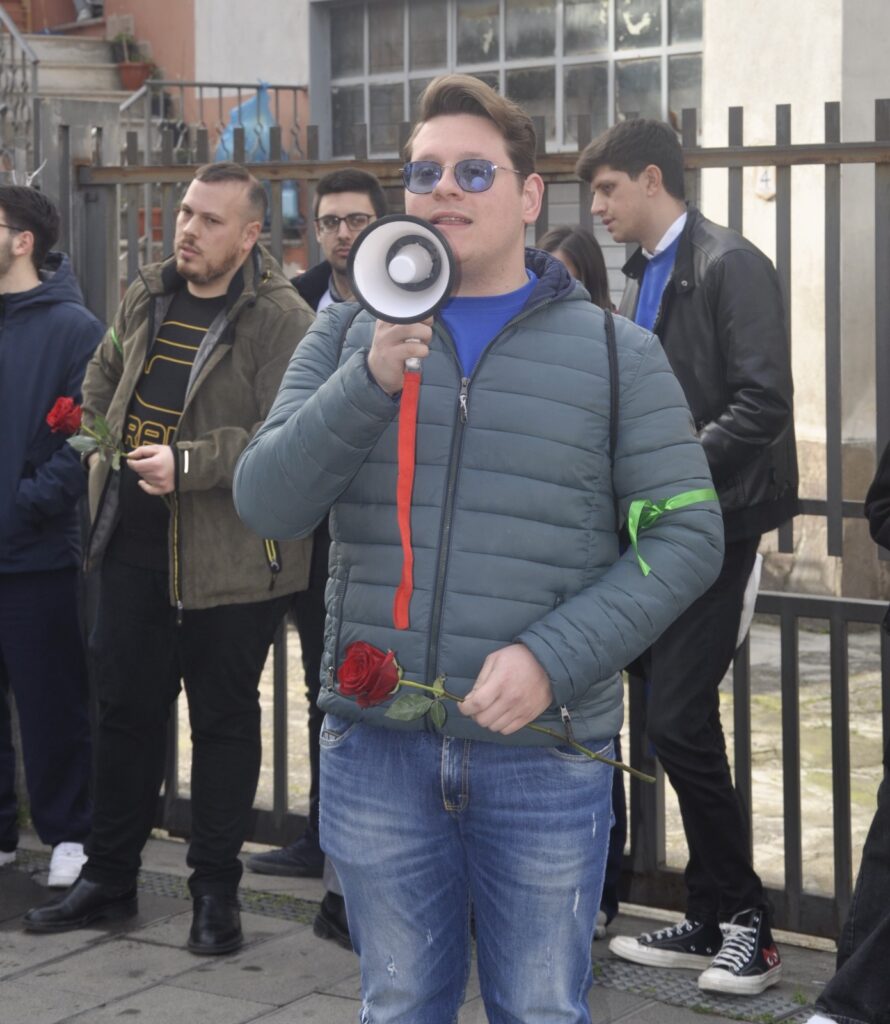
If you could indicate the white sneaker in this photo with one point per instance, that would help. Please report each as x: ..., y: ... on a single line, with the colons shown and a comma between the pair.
x: 64, y: 868
x: 7, y: 857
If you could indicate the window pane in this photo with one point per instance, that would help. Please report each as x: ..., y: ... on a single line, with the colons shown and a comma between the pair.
x: 415, y: 88
x: 638, y: 88
x: 347, y: 109
x: 429, y: 33
x: 637, y: 23
x: 534, y: 89
x: 347, y: 41
x: 477, y: 31
x: 685, y: 18
x: 387, y: 113
x: 491, y: 78
x: 586, y: 92
x: 684, y: 85
x: 586, y: 26
x: 386, y: 37
x: 531, y: 28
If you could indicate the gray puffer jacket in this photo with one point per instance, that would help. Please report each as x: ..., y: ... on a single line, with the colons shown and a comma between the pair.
x: 513, y: 517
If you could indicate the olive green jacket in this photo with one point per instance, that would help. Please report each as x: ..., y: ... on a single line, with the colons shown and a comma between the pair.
x: 214, y: 559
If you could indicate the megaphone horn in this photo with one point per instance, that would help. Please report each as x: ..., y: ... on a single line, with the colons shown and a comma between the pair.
x: 401, y: 269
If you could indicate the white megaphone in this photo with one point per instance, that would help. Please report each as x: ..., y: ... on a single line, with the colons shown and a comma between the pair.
x: 401, y: 269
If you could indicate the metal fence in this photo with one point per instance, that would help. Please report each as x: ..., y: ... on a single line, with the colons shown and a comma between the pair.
x: 121, y: 216
x: 19, y: 105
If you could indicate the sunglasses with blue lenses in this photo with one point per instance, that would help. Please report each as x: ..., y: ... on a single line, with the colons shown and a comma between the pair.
x: 473, y: 175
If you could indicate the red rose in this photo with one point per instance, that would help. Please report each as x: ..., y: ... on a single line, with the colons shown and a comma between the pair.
x: 65, y: 416
x: 368, y: 674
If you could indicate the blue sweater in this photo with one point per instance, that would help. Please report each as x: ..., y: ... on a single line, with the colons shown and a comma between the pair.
x: 46, y: 339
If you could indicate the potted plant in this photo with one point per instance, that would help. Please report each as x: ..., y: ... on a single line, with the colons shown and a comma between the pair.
x: 132, y: 65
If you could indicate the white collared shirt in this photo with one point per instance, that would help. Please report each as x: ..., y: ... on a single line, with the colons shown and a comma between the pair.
x: 668, y: 236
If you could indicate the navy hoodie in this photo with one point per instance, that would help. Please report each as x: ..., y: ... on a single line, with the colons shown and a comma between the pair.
x: 46, y: 339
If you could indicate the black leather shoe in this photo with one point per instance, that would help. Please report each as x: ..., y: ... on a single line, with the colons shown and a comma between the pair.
x: 80, y: 905
x: 302, y: 859
x: 330, y: 921
x: 216, y: 925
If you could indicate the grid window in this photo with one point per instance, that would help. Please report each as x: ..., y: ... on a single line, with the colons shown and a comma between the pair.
x: 429, y: 33
x: 478, y: 31
x: 387, y: 113
x: 586, y: 27
x: 534, y: 89
x: 530, y: 29
x: 347, y: 110
x: 686, y: 21
x: 586, y: 91
x: 386, y: 38
x: 560, y: 59
x: 637, y: 24
x: 348, y: 42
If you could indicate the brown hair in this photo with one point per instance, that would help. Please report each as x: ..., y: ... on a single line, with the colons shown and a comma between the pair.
x: 630, y: 146
x: 226, y: 170
x: 466, y: 94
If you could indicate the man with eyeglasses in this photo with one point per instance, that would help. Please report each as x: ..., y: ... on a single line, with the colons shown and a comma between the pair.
x: 46, y: 342
x: 346, y: 201
x: 521, y: 605
x: 345, y: 204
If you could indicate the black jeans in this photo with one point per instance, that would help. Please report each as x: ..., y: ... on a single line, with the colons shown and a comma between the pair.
x: 859, y: 993
x: 307, y: 611
x: 140, y: 655
x: 685, y: 667
x: 42, y: 663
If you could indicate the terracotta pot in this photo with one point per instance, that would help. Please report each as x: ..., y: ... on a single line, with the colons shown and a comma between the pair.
x: 134, y: 73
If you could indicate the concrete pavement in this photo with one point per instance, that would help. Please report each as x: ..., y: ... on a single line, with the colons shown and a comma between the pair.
x: 139, y: 970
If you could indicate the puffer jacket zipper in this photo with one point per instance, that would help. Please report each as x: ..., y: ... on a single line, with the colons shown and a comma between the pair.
x: 462, y: 418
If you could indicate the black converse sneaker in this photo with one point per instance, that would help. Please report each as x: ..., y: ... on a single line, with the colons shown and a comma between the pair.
x: 687, y: 944
x: 748, y: 961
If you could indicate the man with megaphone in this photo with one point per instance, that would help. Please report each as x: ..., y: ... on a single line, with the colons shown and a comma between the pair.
x: 479, y: 610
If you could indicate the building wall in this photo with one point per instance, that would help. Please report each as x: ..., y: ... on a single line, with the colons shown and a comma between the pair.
x: 168, y: 26
x: 269, y: 43
x: 807, y: 55
x: 780, y: 41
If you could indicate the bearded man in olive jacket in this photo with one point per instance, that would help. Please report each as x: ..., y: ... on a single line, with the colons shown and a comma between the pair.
x: 184, y: 377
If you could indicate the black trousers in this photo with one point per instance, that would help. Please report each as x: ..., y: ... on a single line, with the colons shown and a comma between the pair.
x: 42, y: 663
x: 307, y: 611
x: 860, y: 991
x: 140, y: 656
x: 685, y: 667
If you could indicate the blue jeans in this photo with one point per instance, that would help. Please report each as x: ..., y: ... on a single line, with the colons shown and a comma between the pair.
x: 859, y: 993
x: 419, y: 826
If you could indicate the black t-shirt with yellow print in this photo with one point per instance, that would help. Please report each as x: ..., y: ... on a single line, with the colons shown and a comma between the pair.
x: 140, y: 538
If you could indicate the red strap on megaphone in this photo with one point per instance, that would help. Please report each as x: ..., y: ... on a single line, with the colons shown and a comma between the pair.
x: 404, y: 492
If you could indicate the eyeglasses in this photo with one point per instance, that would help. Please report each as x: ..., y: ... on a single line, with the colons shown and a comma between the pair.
x: 9, y: 227
x: 328, y: 224
x: 473, y: 175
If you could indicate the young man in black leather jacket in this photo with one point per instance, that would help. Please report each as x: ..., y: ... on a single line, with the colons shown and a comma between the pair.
x: 714, y: 301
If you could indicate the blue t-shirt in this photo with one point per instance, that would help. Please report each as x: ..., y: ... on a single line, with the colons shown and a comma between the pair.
x: 474, y: 320
x: 655, y: 278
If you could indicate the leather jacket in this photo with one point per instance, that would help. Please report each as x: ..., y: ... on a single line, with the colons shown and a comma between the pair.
x: 722, y: 325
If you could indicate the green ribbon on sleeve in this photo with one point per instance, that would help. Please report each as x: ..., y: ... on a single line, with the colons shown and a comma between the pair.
x: 644, y: 513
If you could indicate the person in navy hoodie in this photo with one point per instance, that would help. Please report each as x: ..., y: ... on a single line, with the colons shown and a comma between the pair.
x: 46, y: 339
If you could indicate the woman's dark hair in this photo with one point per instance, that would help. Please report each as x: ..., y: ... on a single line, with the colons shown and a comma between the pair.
x: 584, y: 251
